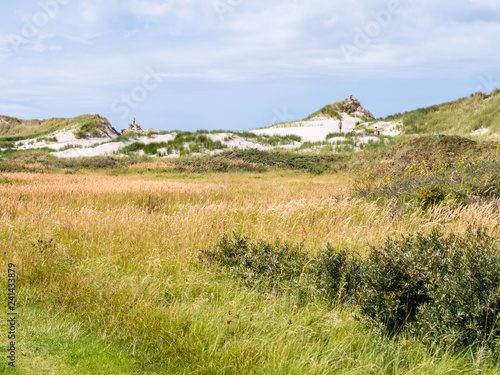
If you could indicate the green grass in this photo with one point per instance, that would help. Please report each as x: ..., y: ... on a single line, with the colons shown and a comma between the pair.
x: 197, y: 143
x: 13, y: 129
x: 125, y: 137
x: 47, y: 139
x: 90, y: 126
x: 109, y: 282
x: 459, y: 117
x: 7, y: 144
x: 54, y: 342
x: 328, y: 110
x: 270, y: 140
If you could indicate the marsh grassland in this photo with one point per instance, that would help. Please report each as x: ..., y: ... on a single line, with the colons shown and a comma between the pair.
x: 109, y: 280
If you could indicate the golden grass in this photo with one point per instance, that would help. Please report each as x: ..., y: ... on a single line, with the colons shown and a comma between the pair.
x: 173, y: 219
x: 118, y: 253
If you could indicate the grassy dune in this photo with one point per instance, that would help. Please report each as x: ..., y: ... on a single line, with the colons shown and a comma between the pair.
x: 460, y: 117
x: 14, y: 129
x: 109, y: 282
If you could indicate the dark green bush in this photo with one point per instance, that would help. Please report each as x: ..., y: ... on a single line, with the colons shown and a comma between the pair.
x: 445, y: 289
x: 395, y: 280
x: 258, y: 264
x: 7, y: 144
x: 337, y: 274
x: 464, y: 293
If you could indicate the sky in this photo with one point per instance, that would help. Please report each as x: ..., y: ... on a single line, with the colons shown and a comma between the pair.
x: 240, y: 64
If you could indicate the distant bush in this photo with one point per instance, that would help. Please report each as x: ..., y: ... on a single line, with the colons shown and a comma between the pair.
x: 316, y: 164
x: 7, y: 144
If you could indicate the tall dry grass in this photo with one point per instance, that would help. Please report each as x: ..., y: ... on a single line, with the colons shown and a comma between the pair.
x: 118, y: 253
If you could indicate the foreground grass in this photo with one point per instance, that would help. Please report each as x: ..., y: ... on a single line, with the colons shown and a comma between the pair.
x: 109, y: 282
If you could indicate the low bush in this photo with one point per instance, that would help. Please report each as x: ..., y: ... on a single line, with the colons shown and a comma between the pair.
x: 262, y: 264
x: 336, y: 274
x: 444, y: 289
x: 7, y: 144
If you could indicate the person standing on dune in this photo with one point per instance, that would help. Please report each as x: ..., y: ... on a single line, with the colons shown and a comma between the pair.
x: 340, y: 126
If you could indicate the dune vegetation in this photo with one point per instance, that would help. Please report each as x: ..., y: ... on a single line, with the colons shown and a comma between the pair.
x: 460, y: 117
x: 384, y: 261
x: 14, y: 129
x: 110, y: 278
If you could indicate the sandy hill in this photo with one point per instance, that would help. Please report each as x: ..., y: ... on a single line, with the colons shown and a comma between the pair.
x: 87, y: 135
x: 350, y: 107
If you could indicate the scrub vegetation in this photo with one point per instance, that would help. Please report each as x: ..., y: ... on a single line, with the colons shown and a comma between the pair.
x: 384, y: 261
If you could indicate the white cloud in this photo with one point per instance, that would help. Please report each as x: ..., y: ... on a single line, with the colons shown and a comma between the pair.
x: 258, y: 40
x: 89, y: 11
x: 492, y: 4
x: 148, y: 8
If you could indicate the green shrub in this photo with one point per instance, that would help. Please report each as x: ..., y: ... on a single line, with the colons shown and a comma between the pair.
x: 464, y: 293
x: 7, y: 144
x: 445, y: 290
x: 394, y: 282
x: 257, y: 264
x: 336, y: 274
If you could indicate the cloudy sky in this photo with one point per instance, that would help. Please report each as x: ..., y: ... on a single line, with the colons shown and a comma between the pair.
x: 240, y: 64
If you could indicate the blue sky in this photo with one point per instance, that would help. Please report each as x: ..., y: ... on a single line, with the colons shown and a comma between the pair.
x: 240, y: 64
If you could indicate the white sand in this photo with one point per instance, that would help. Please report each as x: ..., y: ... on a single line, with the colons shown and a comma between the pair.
x: 64, y: 139
x: 314, y: 130
x: 480, y: 131
x: 110, y: 148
